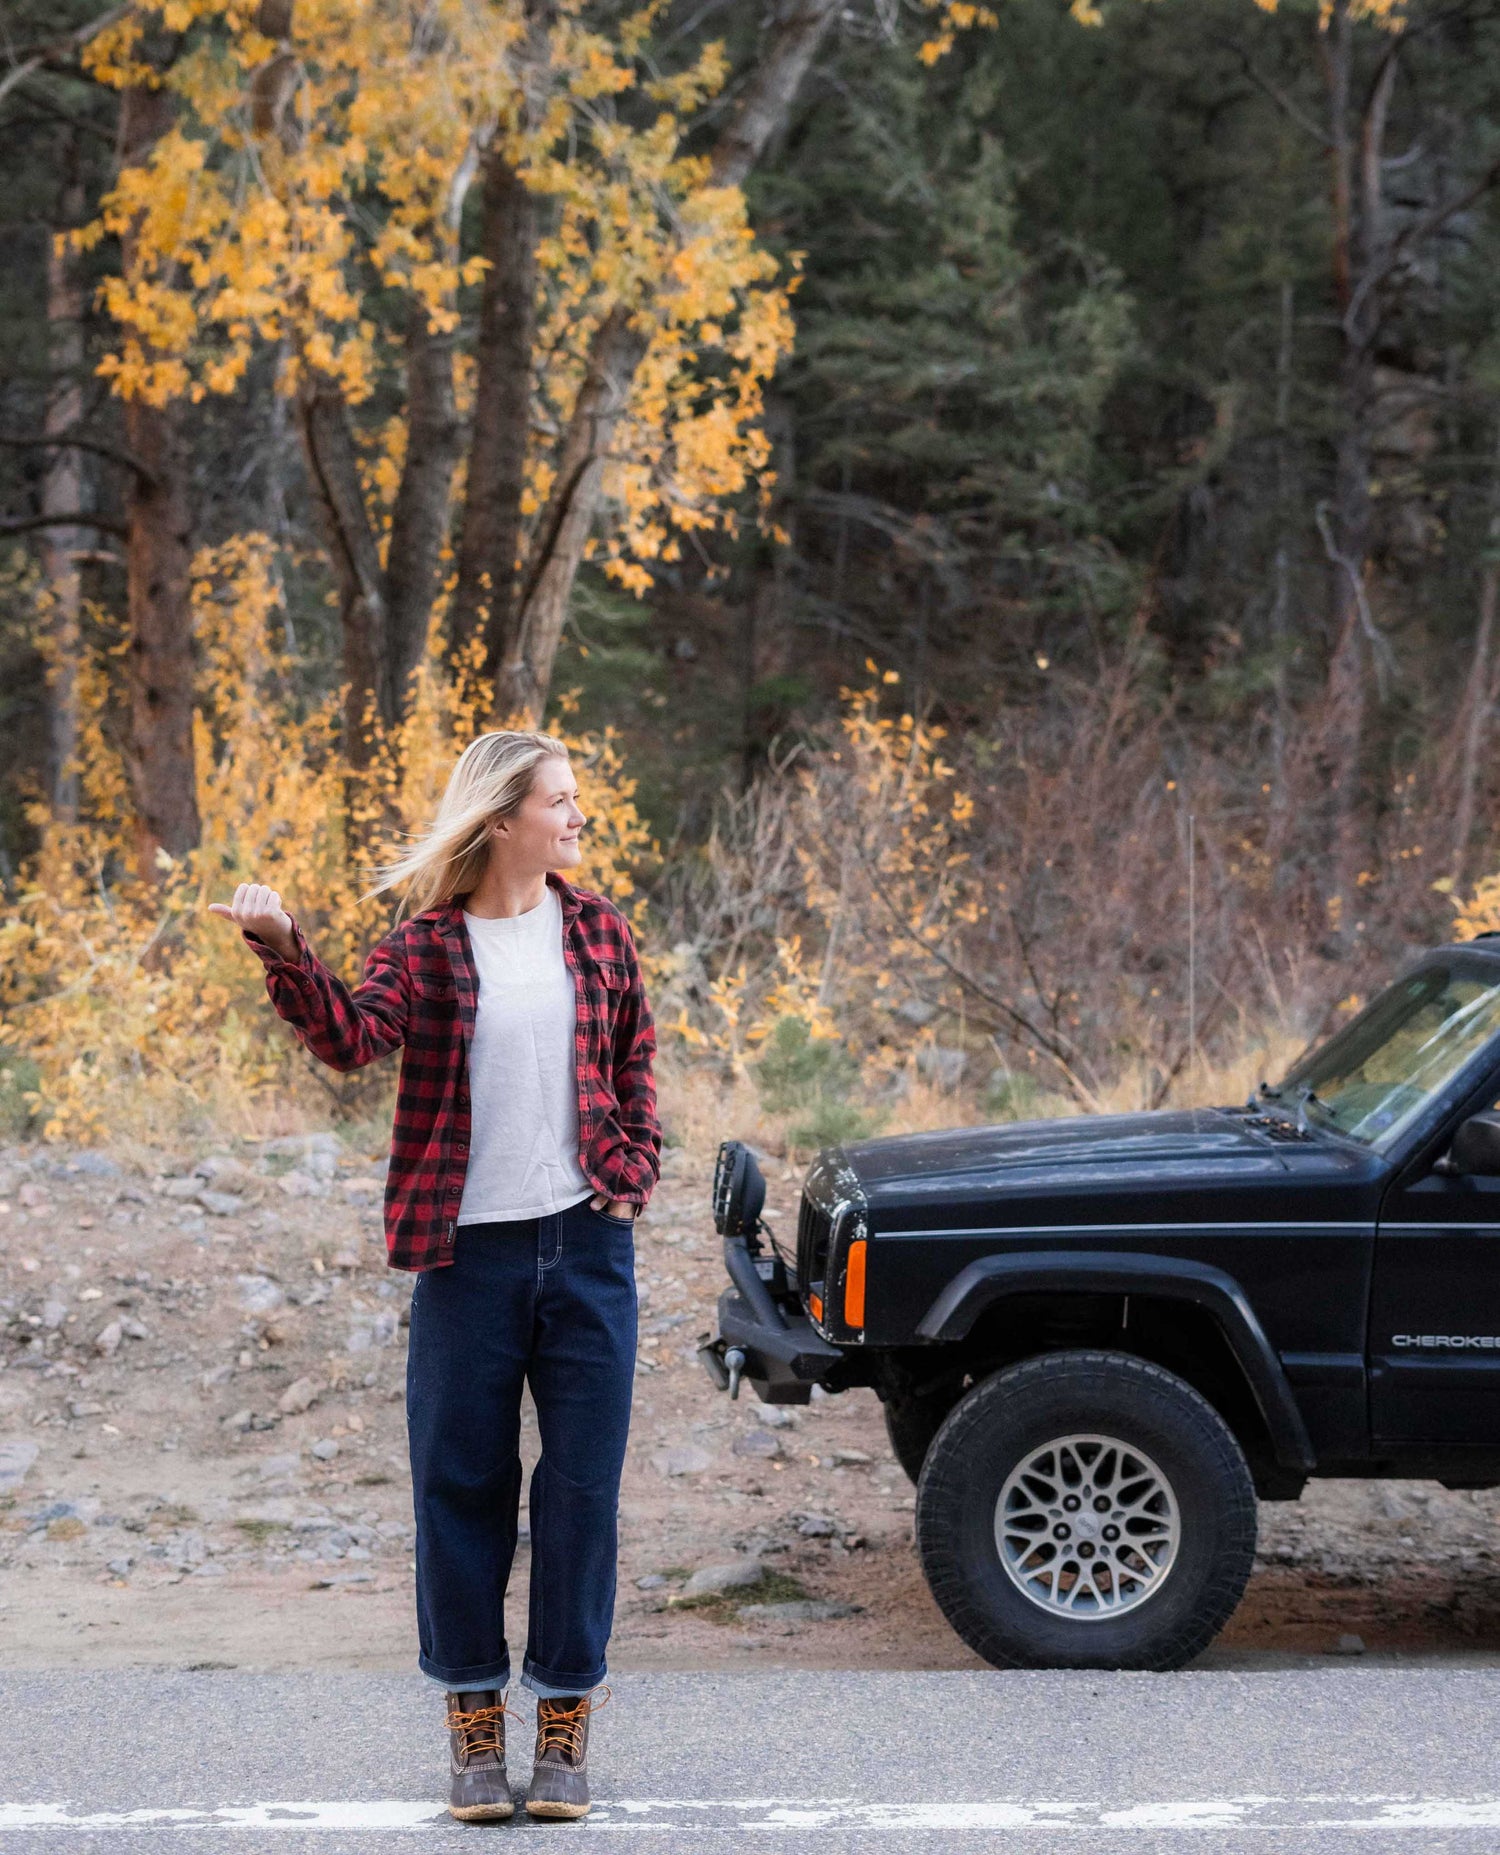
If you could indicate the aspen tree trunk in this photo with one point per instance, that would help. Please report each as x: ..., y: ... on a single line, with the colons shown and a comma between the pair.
x: 65, y: 492
x: 1347, y: 523
x: 333, y: 469
x: 526, y: 671
x: 419, y: 520
x: 328, y: 445
x: 1480, y: 696
x: 159, y: 660
x: 384, y: 608
x: 795, y: 30
x: 484, y: 601
x: 1281, y: 603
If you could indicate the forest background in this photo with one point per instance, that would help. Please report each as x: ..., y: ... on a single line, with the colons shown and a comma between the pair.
x: 1003, y: 503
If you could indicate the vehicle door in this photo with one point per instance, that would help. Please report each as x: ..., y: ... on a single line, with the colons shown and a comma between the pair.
x: 1434, y: 1342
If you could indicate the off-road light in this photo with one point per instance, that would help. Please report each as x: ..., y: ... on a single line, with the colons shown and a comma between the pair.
x: 739, y: 1191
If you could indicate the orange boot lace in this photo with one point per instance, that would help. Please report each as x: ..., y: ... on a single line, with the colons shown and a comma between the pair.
x: 480, y: 1730
x: 560, y: 1729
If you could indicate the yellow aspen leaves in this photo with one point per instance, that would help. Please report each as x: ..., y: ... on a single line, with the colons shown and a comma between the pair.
x: 299, y: 180
x: 138, y: 1006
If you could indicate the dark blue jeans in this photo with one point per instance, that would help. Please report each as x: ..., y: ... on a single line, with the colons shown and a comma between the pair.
x: 548, y: 1301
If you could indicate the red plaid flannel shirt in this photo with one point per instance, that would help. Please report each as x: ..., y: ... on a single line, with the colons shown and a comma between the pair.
x: 419, y: 990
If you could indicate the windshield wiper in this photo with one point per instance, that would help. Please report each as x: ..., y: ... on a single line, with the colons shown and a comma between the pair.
x: 1305, y: 1097
x: 1267, y: 1093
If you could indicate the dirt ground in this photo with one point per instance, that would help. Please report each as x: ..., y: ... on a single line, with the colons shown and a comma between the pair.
x: 202, y: 1452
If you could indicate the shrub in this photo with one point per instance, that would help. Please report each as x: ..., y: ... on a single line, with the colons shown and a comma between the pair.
x: 809, y: 1080
x: 20, y: 1080
x: 126, y: 998
x: 1012, y: 1096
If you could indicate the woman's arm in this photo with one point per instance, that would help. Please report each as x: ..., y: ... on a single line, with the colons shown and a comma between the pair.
x: 342, y: 1027
x: 635, y: 1087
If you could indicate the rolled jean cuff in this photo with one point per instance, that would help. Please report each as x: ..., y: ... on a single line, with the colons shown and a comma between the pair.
x: 467, y: 1680
x: 553, y: 1684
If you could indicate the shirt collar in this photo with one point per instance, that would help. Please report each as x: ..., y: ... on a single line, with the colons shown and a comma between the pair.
x: 450, y: 914
x: 571, y: 901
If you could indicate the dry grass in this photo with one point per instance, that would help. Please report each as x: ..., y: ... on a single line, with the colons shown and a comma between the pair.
x: 699, y: 1108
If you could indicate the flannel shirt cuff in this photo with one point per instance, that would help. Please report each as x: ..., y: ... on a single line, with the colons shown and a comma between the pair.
x: 272, y: 960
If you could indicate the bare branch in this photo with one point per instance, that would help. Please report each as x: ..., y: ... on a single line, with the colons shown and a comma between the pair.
x: 91, y: 445
x: 1017, y: 1021
x: 1385, y: 661
x: 1372, y: 142
x: 54, y: 49
x: 28, y: 524
x: 1413, y: 235
x: 1292, y: 110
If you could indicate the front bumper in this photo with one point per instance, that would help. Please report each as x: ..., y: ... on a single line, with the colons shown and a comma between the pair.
x: 783, y: 1356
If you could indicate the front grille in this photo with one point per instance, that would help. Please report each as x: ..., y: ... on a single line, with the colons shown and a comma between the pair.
x: 814, y: 1228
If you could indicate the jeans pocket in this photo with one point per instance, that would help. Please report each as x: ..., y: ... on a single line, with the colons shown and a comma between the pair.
x: 620, y: 1223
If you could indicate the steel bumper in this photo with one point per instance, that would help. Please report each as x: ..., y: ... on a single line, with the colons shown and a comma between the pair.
x: 781, y: 1358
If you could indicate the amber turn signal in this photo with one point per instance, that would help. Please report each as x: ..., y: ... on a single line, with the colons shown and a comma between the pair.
x: 854, y: 1285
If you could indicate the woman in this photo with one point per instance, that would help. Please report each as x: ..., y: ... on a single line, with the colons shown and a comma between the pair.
x: 525, y: 1140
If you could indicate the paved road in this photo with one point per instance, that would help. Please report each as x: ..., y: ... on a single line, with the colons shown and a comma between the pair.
x: 934, y: 1764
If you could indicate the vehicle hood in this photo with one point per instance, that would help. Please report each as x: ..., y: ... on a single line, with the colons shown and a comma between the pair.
x: 1096, y: 1152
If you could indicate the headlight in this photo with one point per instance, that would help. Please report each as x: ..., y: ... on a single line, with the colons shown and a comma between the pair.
x: 739, y: 1190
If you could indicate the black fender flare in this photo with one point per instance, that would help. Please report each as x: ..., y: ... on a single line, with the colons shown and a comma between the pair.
x: 992, y: 1278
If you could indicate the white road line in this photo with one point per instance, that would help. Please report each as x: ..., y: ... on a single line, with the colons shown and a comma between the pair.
x: 1396, y: 1812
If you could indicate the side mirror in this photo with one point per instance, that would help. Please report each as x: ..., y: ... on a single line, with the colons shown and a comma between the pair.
x: 1476, y: 1146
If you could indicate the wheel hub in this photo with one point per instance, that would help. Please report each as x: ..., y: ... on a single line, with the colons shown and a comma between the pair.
x: 1087, y: 1527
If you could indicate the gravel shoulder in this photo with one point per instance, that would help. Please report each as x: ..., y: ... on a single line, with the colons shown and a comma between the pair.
x: 202, y: 1453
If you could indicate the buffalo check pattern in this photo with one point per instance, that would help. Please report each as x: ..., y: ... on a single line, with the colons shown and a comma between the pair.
x: 419, y: 991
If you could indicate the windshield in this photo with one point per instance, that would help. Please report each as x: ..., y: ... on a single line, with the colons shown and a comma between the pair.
x: 1374, y: 1078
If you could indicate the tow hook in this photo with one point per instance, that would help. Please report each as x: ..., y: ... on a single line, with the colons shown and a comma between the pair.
x: 734, y: 1361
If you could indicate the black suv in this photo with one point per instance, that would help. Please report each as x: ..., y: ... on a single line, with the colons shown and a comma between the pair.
x: 1098, y: 1339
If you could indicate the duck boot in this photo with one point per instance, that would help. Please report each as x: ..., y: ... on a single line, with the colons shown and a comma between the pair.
x: 559, y: 1777
x: 478, y: 1790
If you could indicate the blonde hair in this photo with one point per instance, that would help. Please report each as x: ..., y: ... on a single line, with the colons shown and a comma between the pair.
x: 492, y: 778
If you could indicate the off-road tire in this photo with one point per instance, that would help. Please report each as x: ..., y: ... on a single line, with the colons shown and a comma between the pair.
x: 998, y: 1423
x: 911, y: 1424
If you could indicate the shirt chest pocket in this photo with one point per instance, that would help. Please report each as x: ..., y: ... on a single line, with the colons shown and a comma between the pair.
x: 436, y: 991
x: 613, y: 983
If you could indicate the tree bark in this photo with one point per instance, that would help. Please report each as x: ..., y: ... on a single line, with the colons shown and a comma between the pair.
x: 419, y: 521
x: 1281, y: 601
x: 158, y: 552
x: 618, y: 347
x: 797, y: 29
x: 1480, y: 696
x: 1347, y: 522
x: 66, y: 491
x: 328, y: 443
x: 617, y: 351
x: 484, y: 600
x: 1341, y: 736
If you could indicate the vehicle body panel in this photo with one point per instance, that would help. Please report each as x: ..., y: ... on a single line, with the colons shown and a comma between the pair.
x: 1358, y: 1289
x: 1293, y: 1221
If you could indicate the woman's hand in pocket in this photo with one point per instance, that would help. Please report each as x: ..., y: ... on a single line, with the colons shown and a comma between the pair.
x: 613, y: 1207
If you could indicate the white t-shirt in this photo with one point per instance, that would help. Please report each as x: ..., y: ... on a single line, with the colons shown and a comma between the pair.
x: 523, y: 1089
